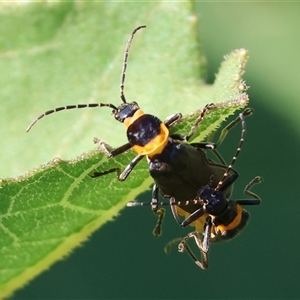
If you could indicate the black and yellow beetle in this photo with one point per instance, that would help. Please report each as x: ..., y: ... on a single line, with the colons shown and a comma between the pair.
x: 181, y: 171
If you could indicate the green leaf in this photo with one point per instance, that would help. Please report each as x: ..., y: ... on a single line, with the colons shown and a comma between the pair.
x: 67, y: 53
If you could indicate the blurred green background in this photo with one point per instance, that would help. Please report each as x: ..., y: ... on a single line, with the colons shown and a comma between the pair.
x: 124, y: 260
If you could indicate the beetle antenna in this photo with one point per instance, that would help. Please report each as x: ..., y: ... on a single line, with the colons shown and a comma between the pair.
x: 91, y: 105
x: 125, y: 61
x: 181, y: 203
x: 238, y: 150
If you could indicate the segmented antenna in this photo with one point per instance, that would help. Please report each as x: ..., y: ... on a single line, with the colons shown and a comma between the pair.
x: 178, y: 203
x: 125, y: 61
x: 90, y: 105
x: 238, y: 150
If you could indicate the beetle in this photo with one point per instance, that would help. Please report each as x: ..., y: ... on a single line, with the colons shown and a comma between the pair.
x: 215, y: 216
x: 208, y: 207
x: 217, y: 219
x: 147, y: 135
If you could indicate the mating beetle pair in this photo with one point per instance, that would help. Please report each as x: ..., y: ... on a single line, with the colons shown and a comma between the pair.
x: 197, y: 187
